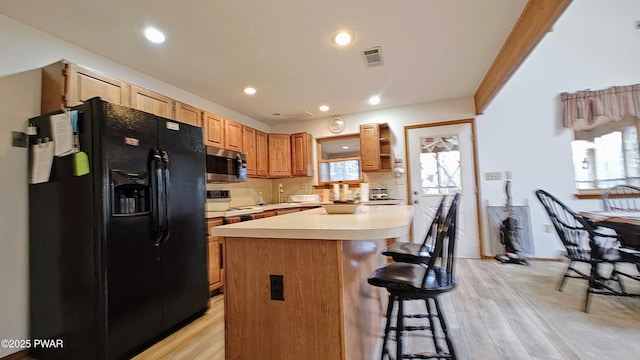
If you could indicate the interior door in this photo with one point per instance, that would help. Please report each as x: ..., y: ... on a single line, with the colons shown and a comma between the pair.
x: 440, y: 161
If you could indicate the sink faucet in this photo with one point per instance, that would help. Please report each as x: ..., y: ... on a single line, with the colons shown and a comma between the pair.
x: 280, y: 191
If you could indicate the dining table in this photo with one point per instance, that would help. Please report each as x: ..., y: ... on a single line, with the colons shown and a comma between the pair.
x: 626, y: 223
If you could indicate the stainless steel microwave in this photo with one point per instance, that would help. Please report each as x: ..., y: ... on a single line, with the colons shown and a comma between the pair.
x: 225, y: 165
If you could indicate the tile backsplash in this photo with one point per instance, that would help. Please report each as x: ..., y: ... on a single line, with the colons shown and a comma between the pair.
x: 247, y: 193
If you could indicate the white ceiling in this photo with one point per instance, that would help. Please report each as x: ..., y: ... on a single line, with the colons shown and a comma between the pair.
x: 432, y: 49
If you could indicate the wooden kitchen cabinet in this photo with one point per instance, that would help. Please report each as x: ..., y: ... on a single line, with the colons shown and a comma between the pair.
x: 151, y: 102
x: 65, y: 85
x: 249, y: 145
x: 301, y: 155
x: 215, y: 256
x: 213, y: 129
x: 269, y: 213
x: 279, y: 155
x: 375, y: 147
x: 232, y: 135
x: 262, y: 154
x: 188, y: 114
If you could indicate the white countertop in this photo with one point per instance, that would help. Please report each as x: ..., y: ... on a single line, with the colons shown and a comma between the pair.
x: 384, y: 202
x: 254, y: 209
x: 369, y: 223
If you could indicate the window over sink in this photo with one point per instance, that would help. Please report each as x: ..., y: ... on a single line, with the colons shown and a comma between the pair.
x: 339, y: 159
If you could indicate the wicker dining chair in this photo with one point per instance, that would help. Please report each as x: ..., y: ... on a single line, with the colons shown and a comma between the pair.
x: 584, y: 245
x: 622, y: 197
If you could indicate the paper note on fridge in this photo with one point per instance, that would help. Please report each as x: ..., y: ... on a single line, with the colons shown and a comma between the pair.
x: 41, y: 161
x: 62, y: 134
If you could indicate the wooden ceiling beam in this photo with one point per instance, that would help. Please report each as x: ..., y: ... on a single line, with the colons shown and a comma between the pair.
x: 536, y: 20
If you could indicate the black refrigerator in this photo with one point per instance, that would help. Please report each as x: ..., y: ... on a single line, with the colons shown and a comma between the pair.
x: 117, y: 257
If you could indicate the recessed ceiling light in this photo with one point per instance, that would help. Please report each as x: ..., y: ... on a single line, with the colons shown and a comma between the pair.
x: 324, y: 108
x: 345, y: 147
x: 374, y: 100
x: 342, y: 38
x: 249, y: 90
x: 154, y: 35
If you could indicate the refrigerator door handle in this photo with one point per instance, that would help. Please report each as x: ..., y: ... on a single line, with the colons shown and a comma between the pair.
x: 167, y: 221
x: 158, y: 218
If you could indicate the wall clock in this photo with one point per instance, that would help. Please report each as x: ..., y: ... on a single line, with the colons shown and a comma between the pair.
x: 336, y: 125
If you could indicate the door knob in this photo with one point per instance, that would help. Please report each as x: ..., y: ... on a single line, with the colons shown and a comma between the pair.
x: 415, y: 201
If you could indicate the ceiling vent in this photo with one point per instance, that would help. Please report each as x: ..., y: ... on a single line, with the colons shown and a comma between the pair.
x: 372, y: 57
x: 299, y: 115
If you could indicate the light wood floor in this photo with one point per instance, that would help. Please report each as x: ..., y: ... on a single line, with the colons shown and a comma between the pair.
x: 497, y: 312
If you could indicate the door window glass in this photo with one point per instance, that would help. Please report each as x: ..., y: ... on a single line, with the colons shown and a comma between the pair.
x: 440, y: 165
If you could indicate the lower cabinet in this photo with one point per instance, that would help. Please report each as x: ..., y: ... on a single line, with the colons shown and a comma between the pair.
x: 215, y: 246
x: 286, y: 211
x: 215, y: 256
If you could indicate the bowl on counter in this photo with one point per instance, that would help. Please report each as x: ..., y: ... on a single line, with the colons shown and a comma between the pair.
x: 342, y: 207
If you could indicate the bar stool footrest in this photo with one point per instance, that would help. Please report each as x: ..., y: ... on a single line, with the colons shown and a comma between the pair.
x: 428, y: 356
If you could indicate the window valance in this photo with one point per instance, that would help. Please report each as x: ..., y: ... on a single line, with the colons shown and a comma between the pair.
x: 613, y: 103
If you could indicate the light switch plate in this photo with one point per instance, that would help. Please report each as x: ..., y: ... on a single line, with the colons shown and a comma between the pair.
x: 496, y: 175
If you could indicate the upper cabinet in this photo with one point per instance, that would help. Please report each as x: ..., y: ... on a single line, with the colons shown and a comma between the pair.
x: 301, y: 155
x: 268, y: 155
x: 188, y: 114
x: 151, y: 102
x: 262, y: 154
x: 249, y: 144
x: 232, y: 135
x: 375, y: 147
x: 213, y: 130
x: 65, y: 85
x: 279, y: 155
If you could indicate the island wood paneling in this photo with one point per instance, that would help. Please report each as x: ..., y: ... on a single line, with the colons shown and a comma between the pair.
x: 327, y: 309
x: 364, y: 305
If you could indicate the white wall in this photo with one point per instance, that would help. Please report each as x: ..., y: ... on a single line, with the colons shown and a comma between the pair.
x: 593, y: 45
x: 18, y: 101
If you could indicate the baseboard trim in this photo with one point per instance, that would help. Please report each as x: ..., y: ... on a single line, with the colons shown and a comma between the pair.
x: 20, y: 355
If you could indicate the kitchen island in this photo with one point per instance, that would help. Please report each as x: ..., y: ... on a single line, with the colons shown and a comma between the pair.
x: 328, y: 310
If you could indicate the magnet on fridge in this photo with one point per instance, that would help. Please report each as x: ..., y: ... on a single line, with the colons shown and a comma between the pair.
x: 80, y: 163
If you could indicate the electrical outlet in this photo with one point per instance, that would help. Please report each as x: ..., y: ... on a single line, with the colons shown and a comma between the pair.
x: 548, y: 228
x: 497, y: 175
x: 507, y: 175
x: 19, y: 139
x: 277, y: 287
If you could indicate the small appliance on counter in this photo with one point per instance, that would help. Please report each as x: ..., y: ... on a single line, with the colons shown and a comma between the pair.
x: 379, y: 193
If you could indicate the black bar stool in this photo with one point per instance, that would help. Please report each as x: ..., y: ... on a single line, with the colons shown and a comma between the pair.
x: 418, y: 253
x: 409, y: 281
